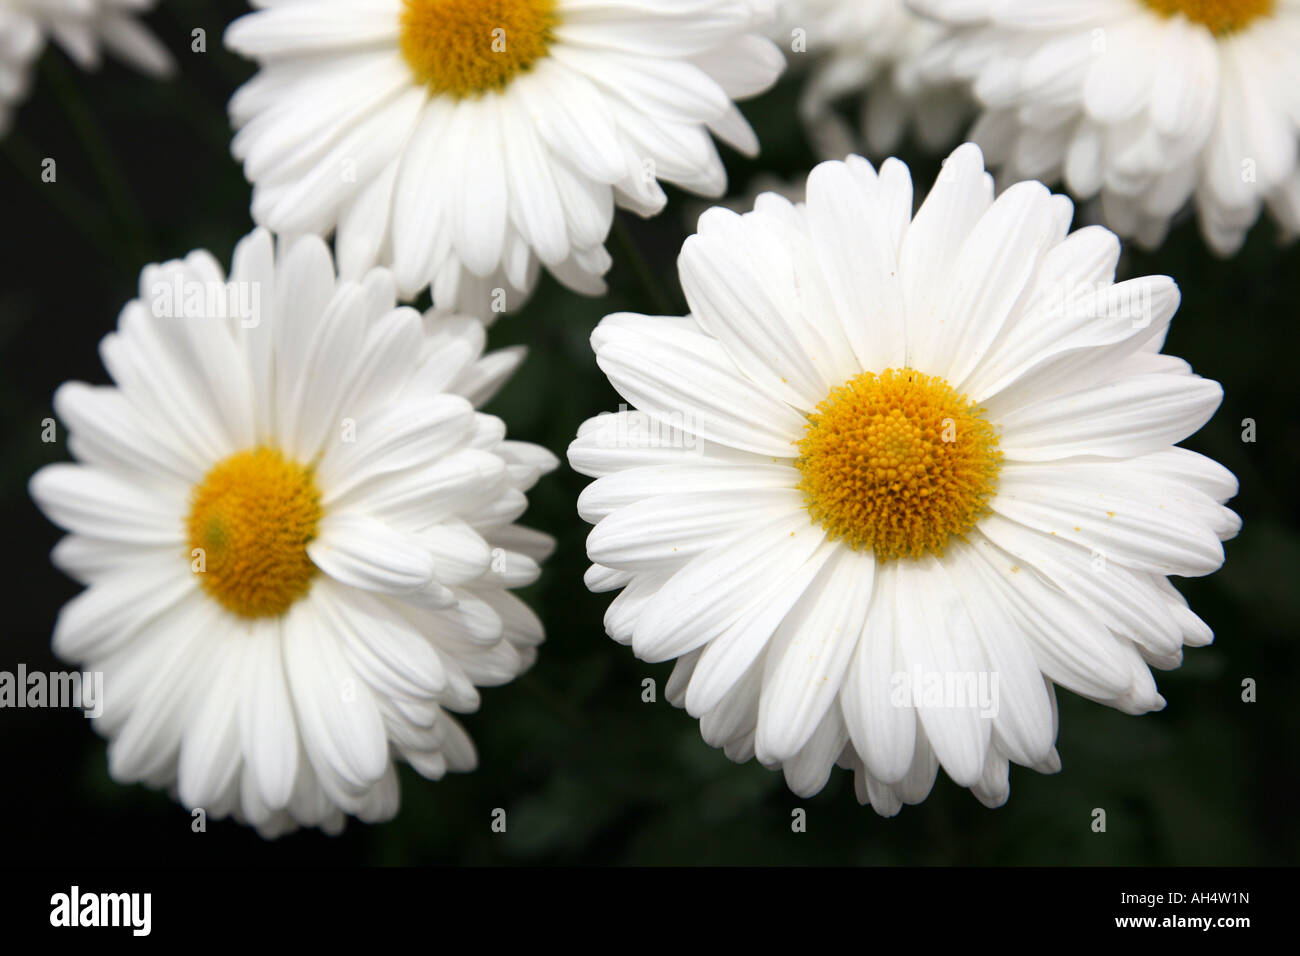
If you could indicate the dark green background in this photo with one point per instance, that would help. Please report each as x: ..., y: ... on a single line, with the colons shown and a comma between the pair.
x: 586, y: 771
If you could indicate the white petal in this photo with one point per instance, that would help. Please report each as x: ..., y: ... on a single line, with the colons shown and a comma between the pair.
x: 810, y: 653
x: 357, y: 550
x: 341, y: 728
x: 883, y: 728
x: 1132, y: 416
x: 702, y: 599
x: 939, y: 643
x: 101, y: 504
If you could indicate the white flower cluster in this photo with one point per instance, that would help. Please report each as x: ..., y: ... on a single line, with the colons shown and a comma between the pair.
x: 908, y: 465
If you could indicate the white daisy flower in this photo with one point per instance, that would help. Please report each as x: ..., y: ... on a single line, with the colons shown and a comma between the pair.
x: 1149, y: 104
x: 296, y: 534
x: 469, y: 142
x: 870, y: 50
x: 81, y: 28
x: 896, y: 477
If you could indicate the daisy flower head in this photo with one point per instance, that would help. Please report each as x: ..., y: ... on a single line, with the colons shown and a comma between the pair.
x: 469, y: 142
x: 870, y: 50
x: 1152, y: 105
x: 896, y: 477
x: 297, y: 536
x: 83, y: 28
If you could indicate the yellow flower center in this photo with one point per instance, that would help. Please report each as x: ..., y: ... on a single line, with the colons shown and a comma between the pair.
x: 1220, y: 16
x: 897, y: 462
x: 251, y: 519
x: 466, y: 48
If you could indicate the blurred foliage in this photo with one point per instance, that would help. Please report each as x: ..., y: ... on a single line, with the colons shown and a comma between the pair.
x: 587, y: 772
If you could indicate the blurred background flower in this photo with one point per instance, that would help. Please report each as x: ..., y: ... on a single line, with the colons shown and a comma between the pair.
x: 869, y: 53
x: 83, y: 29
x: 1153, y: 106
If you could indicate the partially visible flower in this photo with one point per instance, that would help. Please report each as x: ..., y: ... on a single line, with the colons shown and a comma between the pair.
x: 469, y: 142
x: 869, y: 50
x: 763, y: 182
x: 82, y: 28
x: 297, y: 537
x: 1149, y: 104
x: 896, y: 477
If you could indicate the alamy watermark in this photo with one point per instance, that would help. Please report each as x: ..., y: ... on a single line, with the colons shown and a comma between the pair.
x: 191, y: 299
x: 133, y: 911
x: 667, y: 428
x: 75, y: 690
x: 966, y: 690
x: 1123, y: 300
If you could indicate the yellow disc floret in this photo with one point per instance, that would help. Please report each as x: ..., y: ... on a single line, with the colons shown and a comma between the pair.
x: 1220, y: 16
x: 251, y: 519
x: 465, y: 48
x: 897, y: 462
